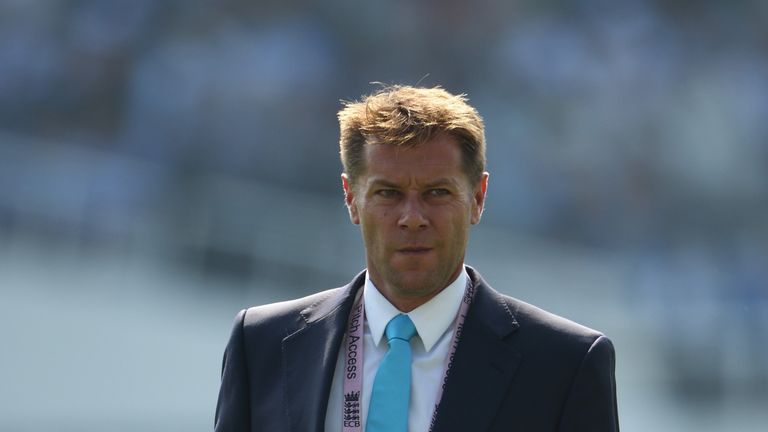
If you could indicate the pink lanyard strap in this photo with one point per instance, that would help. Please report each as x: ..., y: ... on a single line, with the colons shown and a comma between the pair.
x: 353, y: 369
x: 353, y: 361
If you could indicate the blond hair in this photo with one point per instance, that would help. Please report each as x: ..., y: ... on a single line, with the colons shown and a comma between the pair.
x: 406, y: 116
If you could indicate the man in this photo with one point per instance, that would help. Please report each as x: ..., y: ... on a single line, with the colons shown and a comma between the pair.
x: 418, y: 341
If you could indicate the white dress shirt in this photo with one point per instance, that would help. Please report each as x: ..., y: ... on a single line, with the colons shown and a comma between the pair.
x: 435, y: 322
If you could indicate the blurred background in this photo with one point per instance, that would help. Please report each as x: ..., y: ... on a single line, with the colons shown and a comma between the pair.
x: 164, y: 164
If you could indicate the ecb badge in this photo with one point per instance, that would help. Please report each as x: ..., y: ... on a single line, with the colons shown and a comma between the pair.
x: 352, y: 409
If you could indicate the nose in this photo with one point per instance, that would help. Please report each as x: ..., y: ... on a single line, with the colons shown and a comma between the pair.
x: 412, y: 216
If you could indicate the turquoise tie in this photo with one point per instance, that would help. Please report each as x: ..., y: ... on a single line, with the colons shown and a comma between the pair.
x: 391, y: 392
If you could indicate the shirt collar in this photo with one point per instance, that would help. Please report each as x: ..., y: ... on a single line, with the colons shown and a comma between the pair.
x: 431, y: 319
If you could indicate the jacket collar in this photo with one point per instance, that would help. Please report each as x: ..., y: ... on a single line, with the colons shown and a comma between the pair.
x: 309, y: 356
x: 484, y: 363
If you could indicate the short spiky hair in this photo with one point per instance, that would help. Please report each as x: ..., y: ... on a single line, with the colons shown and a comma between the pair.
x: 406, y: 116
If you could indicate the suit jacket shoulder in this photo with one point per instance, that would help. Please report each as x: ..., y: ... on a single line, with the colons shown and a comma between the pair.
x: 545, y: 326
x: 527, y: 369
x: 278, y: 364
x: 280, y: 319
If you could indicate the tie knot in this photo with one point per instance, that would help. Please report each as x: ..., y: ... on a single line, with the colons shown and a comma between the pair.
x: 400, y: 327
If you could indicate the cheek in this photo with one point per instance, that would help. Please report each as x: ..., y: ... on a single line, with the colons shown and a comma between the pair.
x: 372, y: 228
x: 376, y: 216
x: 458, y: 226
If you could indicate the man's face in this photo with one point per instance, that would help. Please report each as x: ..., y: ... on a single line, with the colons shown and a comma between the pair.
x: 414, y: 206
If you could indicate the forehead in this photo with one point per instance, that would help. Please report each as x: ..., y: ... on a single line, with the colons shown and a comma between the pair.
x: 440, y: 156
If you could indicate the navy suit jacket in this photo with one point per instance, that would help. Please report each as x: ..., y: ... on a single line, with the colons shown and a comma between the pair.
x: 516, y: 368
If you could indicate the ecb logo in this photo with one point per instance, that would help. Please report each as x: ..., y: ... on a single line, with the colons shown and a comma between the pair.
x: 352, y: 409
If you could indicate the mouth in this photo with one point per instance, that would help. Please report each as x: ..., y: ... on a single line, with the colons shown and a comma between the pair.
x: 414, y: 250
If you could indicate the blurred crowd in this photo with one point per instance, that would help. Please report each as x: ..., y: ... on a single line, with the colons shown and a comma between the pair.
x: 635, y: 127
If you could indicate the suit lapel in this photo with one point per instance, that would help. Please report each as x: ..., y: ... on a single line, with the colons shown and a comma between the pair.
x: 310, y: 358
x: 483, y: 367
x: 484, y: 364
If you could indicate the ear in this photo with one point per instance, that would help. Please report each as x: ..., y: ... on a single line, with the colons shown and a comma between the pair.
x: 349, y: 199
x: 478, y: 198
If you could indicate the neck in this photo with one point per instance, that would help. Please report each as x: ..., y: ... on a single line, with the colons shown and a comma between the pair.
x: 407, y: 299
x: 407, y: 304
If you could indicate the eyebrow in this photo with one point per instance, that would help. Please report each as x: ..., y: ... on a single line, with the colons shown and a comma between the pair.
x: 385, y: 183
x: 441, y: 182
x: 444, y: 181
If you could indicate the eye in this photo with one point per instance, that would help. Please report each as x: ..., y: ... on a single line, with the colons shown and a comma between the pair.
x: 438, y: 192
x: 387, y: 193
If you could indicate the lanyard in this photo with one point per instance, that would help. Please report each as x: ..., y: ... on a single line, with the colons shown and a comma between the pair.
x: 353, y: 361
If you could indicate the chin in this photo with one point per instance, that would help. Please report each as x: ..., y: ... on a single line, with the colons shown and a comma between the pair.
x: 417, y: 282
